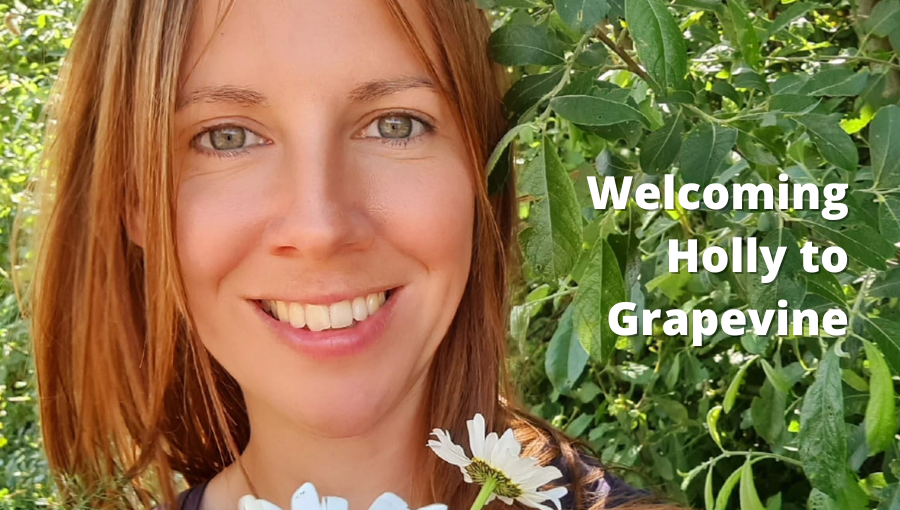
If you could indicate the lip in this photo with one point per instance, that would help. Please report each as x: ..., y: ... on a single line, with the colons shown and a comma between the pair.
x: 327, y: 299
x: 333, y: 343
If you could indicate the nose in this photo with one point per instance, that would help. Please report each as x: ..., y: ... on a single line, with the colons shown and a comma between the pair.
x: 318, y: 204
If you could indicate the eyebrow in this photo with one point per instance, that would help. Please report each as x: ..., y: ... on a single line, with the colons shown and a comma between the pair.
x: 224, y: 94
x: 376, y: 89
x: 243, y: 96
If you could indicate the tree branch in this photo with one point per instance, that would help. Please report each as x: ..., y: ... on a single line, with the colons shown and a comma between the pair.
x: 632, y: 65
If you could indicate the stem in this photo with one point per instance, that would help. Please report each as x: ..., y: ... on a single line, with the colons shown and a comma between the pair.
x: 632, y: 65
x: 486, y: 490
x: 564, y: 79
x: 863, y: 292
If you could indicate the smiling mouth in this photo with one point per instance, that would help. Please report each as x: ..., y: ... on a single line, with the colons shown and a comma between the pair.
x: 339, y: 315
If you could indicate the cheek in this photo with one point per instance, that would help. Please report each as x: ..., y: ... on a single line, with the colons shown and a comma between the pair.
x: 219, y: 222
x: 427, y: 213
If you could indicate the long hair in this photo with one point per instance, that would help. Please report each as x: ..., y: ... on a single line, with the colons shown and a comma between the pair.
x: 129, y: 396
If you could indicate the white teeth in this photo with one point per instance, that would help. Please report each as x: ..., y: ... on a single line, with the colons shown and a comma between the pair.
x: 341, y: 314
x: 281, y: 311
x: 372, y: 303
x: 317, y: 318
x: 360, y: 310
x: 338, y: 315
x: 298, y: 317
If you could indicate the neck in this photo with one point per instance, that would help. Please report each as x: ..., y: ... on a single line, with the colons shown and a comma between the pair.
x: 280, y: 456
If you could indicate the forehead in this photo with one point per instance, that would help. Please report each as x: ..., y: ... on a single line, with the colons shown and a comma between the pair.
x: 315, y: 47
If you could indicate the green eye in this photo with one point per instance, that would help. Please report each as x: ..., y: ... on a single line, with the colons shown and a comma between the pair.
x: 396, y: 126
x: 228, y: 138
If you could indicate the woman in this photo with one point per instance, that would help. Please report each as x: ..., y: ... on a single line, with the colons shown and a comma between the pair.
x: 272, y: 217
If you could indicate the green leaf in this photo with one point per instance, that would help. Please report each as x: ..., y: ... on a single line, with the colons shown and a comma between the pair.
x: 834, y: 143
x: 778, y: 380
x: 566, y: 358
x: 604, y: 109
x: 822, y: 437
x: 661, y: 147
x: 747, y: 491
x: 723, y: 88
x: 747, y: 40
x: 826, y: 285
x: 889, y: 219
x: 712, y: 422
x: 886, y: 335
x: 887, y: 284
x: 818, y: 500
x: 704, y: 153
x: 552, y: 240
x: 528, y: 90
x: 709, y: 499
x: 767, y: 412
x: 601, y: 287
x: 890, y: 497
x: 861, y: 242
x: 518, y: 44
x: 790, y: 284
x: 727, y: 488
x: 504, y: 142
x: 792, y: 103
x: 884, y: 18
x: 658, y: 40
x: 836, y: 81
x: 731, y: 393
x: 884, y: 143
x: 794, y: 11
x: 881, y: 416
x: 582, y: 15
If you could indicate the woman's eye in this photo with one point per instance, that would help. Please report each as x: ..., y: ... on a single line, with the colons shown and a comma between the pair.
x: 228, y: 138
x: 395, y: 126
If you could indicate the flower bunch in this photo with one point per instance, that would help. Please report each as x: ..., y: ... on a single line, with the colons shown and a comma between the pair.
x: 496, y: 464
x: 307, y: 498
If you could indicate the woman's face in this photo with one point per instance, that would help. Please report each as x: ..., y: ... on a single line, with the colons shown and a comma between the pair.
x: 320, y: 172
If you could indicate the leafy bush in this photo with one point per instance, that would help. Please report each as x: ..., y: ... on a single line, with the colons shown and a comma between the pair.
x: 710, y: 92
x: 33, y: 39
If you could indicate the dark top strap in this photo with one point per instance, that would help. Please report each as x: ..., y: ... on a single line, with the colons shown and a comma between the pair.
x: 191, y: 498
x: 610, y: 489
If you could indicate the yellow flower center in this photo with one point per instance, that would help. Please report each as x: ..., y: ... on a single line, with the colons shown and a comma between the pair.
x: 480, y: 472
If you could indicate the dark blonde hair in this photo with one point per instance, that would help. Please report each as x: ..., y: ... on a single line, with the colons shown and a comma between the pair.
x: 127, y: 390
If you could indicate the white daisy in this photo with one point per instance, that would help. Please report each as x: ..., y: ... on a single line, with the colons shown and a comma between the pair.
x: 496, y: 465
x: 391, y: 501
x: 306, y: 498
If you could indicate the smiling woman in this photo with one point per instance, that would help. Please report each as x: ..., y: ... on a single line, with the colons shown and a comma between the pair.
x: 269, y: 255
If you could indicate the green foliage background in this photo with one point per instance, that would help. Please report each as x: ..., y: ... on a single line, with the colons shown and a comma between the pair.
x: 710, y: 91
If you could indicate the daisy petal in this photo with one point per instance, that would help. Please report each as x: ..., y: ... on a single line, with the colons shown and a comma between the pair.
x: 447, y: 450
x: 436, y: 506
x: 305, y: 498
x: 541, y: 476
x: 509, y: 443
x: 334, y: 503
x: 476, y: 436
x: 389, y: 501
x: 489, y: 442
x: 505, y: 499
x: 554, y: 495
x: 248, y: 502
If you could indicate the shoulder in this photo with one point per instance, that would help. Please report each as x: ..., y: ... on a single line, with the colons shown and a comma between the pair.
x: 599, y: 484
